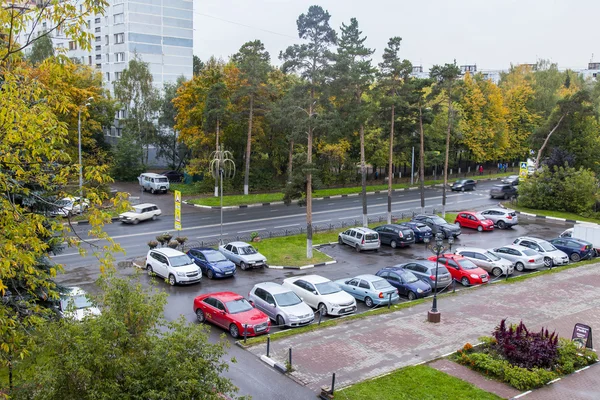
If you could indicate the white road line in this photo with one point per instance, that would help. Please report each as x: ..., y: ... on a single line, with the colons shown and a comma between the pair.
x: 273, y: 210
x: 330, y: 204
x: 355, y: 216
x: 323, y: 220
x: 209, y: 236
x: 285, y: 226
x: 253, y: 230
x: 355, y: 201
x: 241, y: 214
x: 378, y: 198
x: 66, y: 255
x: 205, y: 218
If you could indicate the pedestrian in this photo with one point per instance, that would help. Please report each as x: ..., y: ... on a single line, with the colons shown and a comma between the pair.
x: 376, y: 175
x: 505, y: 167
x: 499, y: 167
x: 481, y: 170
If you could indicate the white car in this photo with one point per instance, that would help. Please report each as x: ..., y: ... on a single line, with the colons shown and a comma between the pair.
x: 487, y: 260
x: 321, y: 294
x: 75, y: 304
x: 552, y: 256
x: 523, y: 257
x: 173, y: 265
x: 69, y: 206
x: 140, y: 212
x: 360, y: 238
x: 243, y: 254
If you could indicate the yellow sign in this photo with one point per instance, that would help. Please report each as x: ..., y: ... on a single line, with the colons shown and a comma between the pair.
x: 523, y: 170
x: 177, y: 210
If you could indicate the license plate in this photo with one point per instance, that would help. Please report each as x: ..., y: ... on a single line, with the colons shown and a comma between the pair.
x: 484, y: 279
x: 229, y: 273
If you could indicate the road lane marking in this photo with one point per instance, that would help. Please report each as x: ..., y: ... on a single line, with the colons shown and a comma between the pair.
x: 285, y: 226
x: 241, y: 214
x: 209, y: 236
x: 379, y: 198
x: 323, y: 220
x: 273, y: 210
x: 252, y: 230
x: 205, y: 218
x: 330, y: 204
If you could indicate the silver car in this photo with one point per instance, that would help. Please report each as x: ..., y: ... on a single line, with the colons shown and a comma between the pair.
x: 523, y: 257
x: 281, y: 304
x: 503, y: 218
x: 552, y: 255
x: 360, y: 238
x: 425, y: 271
x: 243, y: 254
x: 488, y: 261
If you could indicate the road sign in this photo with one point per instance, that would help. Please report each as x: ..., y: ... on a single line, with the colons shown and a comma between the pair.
x: 523, y: 165
x: 582, y: 336
x: 177, y: 210
x: 522, y: 170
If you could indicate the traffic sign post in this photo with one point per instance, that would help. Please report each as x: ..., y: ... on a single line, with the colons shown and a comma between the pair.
x: 523, y: 170
x: 177, y: 210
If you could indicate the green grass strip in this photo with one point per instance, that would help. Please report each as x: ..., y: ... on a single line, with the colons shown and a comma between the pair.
x: 548, y: 213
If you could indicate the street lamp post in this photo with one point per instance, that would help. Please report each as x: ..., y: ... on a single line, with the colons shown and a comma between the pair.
x: 434, y: 315
x: 79, y: 145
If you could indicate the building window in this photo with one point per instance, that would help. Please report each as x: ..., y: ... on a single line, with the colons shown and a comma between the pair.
x: 97, y: 20
x: 97, y: 30
x: 98, y: 56
x: 106, y: 40
x: 119, y: 57
x: 118, y: 132
x: 90, y: 60
x: 44, y: 25
x: 75, y: 59
x: 87, y: 23
x: 118, y: 18
x: 119, y: 38
x: 118, y: 75
x: 72, y: 45
x: 98, y: 39
x: 106, y: 20
x: 98, y: 66
x: 594, y: 66
x: 98, y: 48
x: 108, y: 77
x: 81, y: 8
x: 107, y: 57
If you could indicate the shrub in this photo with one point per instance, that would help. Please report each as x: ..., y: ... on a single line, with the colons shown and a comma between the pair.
x: 173, y: 244
x: 153, y: 244
x: 526, y: 349
x: 571, y: 358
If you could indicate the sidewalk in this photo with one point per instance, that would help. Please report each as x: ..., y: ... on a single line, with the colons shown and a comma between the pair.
x: 365, y: 348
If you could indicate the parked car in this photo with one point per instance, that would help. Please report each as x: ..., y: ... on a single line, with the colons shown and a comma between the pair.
x: 420, y: 230
x: 567, y: 233
x: 405, y: 281
x: 487, y: 260
x: 552, y: 256
x: 212, y: 262
x: 576, y: 249
x: 371, y: 289
x: 74, y: 303
x: 281, y: 304
x: 438, y: 225
x: 425, y: 271
x: 233, y: 312
x: 511, y: 180
x: 69, y: 206
x: 243, y: 254
x: 173, y: 265
x: 463, y: 184
x: 589, y: 233
x: 173, y: 176
x: 321, y: 294
x: 395, y: 235
x: 140, y: 212
x: 360, y: 238
x: 502, y: 218
x: 522, y: 257
x: 503, y: 192
x: 462, y: 269
x: 154, y: 182
x: 474, y: 220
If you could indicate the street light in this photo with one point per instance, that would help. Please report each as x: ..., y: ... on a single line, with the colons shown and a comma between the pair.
x: 88, y: 102
x: 434, y: 315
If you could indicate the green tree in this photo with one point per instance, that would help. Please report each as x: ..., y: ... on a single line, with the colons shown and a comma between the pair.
x: 168, y: 146
x: 127, y: 156
x: 41, y: 49
x: 198, y: 65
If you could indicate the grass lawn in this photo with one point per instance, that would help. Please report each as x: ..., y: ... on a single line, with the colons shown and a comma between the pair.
x: 419, y: 382
x: 238, y: 199
x: 291, y: 250
x: 557, y: 214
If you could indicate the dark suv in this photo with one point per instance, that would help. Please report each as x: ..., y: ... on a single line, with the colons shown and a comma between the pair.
x: 438, y: 225
x: 395, y: 235
x: 503, y: 191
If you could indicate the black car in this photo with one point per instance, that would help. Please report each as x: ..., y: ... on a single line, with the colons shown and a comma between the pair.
x: 395, y: 235
x: 173, y: 176
x: 438, y: 225
x: 464, y: 184
x: 420, y: 230
x: 511, y: 180
x: 505, y: 191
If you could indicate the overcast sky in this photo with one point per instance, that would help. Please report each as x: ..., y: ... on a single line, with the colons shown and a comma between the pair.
x: 490, y: 33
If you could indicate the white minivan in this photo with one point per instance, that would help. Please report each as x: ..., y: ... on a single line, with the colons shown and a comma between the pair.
x: 154, y: 182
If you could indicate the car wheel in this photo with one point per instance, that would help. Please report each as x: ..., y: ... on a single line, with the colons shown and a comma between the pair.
x: 149, y: 269
x: 357, y: 247
x: 154, y: 218
x: 210, y: 274
x: 200, y: 315
x: 501, y: 224
x: 497, y: 272
x: 445, y: 234
x: 519, y: 266
x: 480, y: 228
x: 340, y: 241
x: 465, y: 281
x: 505, y: 196
x: 463, y: 189
x: 152, y: 190
x: 575, y: 257
x: 491, y: 197
x: 548, y: 262
x: 243, y: 266
x: 368, y: 302
x: 393, y: 244
x: 234, y: 331
x: 135, y: 221
x: 172, y: 280
x: 280, y: 321
x: 323, y: 309
x: 411, y: 296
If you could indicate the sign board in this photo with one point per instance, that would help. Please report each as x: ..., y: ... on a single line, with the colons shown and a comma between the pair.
x: 582, y: 336
x: 522, y: 170
x: 177, y: 210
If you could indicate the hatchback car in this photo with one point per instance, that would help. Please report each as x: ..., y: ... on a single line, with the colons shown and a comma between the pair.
x: 360, y: 238
x: 470, y: 219
x: 173, y: 265
x: 487, y: 260
x: 503, y: 192
x: 395, y: 235
x: 425, y: 270
x: 69, y: 206
x: 281, y: 304
x: 321, y: 294
x: 212, y: 262
x: 420, y: 230
x: 552, y: 256
x: 523, y: 257
x: 438, y: 225
x: 405, y: 281
x: 463, y: 184
x: 502, y: 217
x: 462, y: 269
x: 371, y: 289
x: 511, y: 180
x: 233, y: 312
x: 74, y: 303
x: 576, y: 249
x: 243, y: 254
x: 140, y: 212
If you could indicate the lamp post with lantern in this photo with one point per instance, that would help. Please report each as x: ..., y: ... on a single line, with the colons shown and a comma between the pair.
x: 434, y: 315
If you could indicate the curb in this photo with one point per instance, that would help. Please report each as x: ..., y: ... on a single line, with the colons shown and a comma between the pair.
x: 87, y: 222
x: 275, y: 365
x: 540, y: 216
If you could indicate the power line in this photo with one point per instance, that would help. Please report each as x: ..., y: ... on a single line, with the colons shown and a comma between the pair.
x: 244, y: 25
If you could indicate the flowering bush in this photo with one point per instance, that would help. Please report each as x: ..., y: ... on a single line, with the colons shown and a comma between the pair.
x: 526, y: 349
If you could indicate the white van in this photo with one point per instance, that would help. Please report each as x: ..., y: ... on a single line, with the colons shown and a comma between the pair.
x: 154, y: 182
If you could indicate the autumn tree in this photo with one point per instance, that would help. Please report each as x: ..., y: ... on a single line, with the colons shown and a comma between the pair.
x: 167, y: 143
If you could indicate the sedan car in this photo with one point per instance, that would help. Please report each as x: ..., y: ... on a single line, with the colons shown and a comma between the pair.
x: 371, y: 289
x: 243, y: 254
x: 576, y: 249
x: 503, y: 192
x: 281, y: 304
x: 140, y: 212
x: 438, y: 225
x: 463, y: 184
x: 462, y: 269
x: 502, y: 217
x: 474, y: 220
x: 523, y: 257
x: 173, y: 176
x: 420, y: 230
x: 552, y: 256
x: 321, y: 294
x: 395, y: 235
x: 212, y: 262
x: 425, y: 270
x: 511, y: 180
x: 69, y: 206
x: 232, y: 312
x: 405, y: 281
x: 486, y: 260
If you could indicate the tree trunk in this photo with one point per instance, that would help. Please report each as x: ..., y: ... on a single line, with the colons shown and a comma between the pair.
x: 291, y: 161
x: 217, y: 141
x: 363, y: 173
x: 390, y: 171
x: 447, y: 154
x: 422, y: 160
x: 539, y: 155
x: 309, y: 252
x: 248, y: 146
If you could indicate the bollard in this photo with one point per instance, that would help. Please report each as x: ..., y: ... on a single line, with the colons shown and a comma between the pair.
x: 320, y: 316
x: 268, y: 344
x: 245, y: 332
x: 390, y: 302
x: 290, y: 358
x: 333, y: 383
x: 453, y: 285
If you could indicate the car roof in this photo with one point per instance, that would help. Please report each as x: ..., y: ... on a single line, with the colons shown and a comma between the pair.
x: 514, y: 246
x: 504, y: 210
x: 272, y: 287
x: 533, y: 239
x: 310, y: 278
x: 238, y: 244
x: 395, y: 267
x: 364, y: 230
x: 72, y: 291
x: 204, y: 249
x: 450, y: 256
x: 152, y: 175
x: 367, y: 277
x: 223, y: 296
x: 167, y: 251
x: 143, y: 205
x: 468, y: 212
x: 475, y: 249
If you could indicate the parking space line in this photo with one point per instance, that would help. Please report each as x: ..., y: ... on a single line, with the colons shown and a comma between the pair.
x: 252, y: 230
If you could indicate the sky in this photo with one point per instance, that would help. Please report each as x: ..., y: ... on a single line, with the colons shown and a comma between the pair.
x: 489, y: 33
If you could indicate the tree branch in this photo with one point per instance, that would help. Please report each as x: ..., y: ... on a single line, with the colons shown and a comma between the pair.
x: 539, y: 155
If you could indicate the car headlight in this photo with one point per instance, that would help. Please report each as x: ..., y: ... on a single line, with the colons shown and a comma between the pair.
x: 474, y: 276
x: 333, y: 305
x: 180, y: 273
x: 293, y: 318
x: 419, y: 290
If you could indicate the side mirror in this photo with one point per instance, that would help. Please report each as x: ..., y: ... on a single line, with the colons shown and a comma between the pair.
x: 223, y: 312
x: 314, y: 292
x: 272, y: 304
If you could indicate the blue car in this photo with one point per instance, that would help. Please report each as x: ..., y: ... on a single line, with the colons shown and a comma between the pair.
x: 371, y: 289
x: 576, y: 249
x: 421, y: 230
x: 212, y: 263
x: 405, y: 281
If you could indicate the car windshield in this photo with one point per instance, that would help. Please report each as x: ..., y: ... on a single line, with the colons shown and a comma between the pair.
x: 214, y: 256
x: 492, y: 256
x: 247, y: 250
x: 162, y: 179
x: 287, y: 299
x: 467, y: 264
x: 480, y: 217
x: 408, y: 277
x: 238, y: 306
x: 327, y: 288
x: 381, y: 284
x: 180, y: 261
x: 460, y: 181
x: 547, y: 246
x: 438, y: 220
x: 529, y: 252
x: 64, y: 203
x: 77, y: 302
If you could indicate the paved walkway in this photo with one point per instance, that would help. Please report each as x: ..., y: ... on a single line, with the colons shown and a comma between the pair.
x: 365, y: 348
x: 583, y: 385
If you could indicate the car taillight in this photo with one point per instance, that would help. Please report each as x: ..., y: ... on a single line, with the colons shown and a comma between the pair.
x: 531, y: 261
x: 509, y: 217
x: 363, y: 241
x: 381, y: 295
x: 432, y: 277
x: 584, y: 248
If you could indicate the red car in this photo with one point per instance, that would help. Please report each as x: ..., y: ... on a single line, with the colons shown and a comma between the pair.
x: 462, y: 269
x: 233, y: 312
x: 474, y: 220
